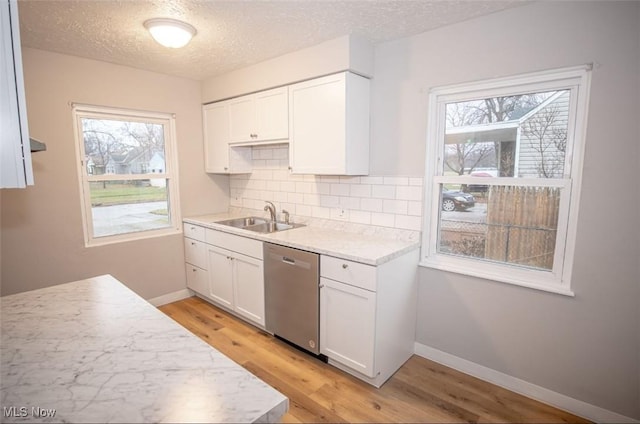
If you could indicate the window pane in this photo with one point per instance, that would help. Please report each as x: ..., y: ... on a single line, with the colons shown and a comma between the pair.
x: 120, y: 207
x: 510, y: 224
x: 523, y: 136
x: 123, y: 147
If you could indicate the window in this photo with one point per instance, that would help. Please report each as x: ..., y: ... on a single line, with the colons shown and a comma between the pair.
x: 503, y: 178
x: 128, y: 173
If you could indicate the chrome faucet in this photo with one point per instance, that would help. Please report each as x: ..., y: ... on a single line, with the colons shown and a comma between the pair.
x: 272, y: 210
x: 286, y: 216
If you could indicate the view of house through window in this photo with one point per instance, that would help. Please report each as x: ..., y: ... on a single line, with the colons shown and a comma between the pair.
x: 502, y: 179
x: 512, y: 136
x: 126, y: 181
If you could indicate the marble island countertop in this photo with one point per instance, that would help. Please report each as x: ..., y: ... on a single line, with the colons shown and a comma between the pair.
x: 94, y: 351
x: 364, y: 247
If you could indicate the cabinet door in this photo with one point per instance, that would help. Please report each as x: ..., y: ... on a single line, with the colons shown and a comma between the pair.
x: 248, y: 283
x: 329, y: 125
x: 272, y: 114
x: 242, y: 119
x: 220, y: 267
x: 15, y: 153
x: 216, y: 137
x: 317, y: 114
x: 197, y: 279
x: 347, y: 325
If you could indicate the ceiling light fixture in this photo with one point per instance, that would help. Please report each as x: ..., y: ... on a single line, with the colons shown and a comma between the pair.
x: 170, y: 32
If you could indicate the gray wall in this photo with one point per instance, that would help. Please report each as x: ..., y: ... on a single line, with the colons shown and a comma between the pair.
x: 42, y: 236
x: 587, y: 347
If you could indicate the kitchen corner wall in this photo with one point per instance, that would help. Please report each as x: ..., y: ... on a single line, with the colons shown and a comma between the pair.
x: 42, y: 237
x: 385, y: 201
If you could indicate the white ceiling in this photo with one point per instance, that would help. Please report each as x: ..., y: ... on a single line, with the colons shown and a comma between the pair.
x: 231, y: 33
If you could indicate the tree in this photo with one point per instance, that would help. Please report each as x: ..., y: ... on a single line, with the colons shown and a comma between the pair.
x: 548, y: 138
x: 99, y: 143
x: 465, y: 157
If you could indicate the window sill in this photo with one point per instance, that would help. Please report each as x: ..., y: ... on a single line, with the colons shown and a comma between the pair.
x: 497, y: 277
x: 129, y: 237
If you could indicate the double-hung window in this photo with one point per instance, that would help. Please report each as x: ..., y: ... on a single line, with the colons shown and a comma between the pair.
x: 503, y: 170
x: 127, y: 167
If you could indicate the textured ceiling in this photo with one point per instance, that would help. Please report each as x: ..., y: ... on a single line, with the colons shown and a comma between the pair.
x: 232, y: 33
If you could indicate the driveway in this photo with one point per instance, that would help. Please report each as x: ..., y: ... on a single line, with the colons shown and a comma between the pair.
x: 119, y: 219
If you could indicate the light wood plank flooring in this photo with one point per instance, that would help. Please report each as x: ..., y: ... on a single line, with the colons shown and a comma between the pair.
x: 421, y: 391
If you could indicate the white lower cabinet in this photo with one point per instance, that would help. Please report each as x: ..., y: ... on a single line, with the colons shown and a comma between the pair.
x: 230, y: 276
x: 236, y: 281
x: 347, y: 325
x: 368, y: 315
x: 221, y: 276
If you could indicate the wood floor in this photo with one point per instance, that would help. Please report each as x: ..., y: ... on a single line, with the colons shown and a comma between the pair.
x: 421, y: 391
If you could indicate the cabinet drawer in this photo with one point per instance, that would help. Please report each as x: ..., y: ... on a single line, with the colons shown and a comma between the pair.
x: 239, y: 244
x: 195, y: 253
x: 194, y: 231
x: 349, y: 272
x: 197, y: 279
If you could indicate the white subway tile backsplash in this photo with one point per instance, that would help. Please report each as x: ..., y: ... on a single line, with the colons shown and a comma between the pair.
x: 408, y: 222
x: 329, y: 201
x: 323, y: 188
x: 382, y: 219
x: 409, y: 193
x: 386, y: 201
x: 383, y: 191
x: 395, y: 206
x: 413, y: 181
x: 371, y: 205
x: 320, y: 212
x: 396, y: 181
x: 415, y: 208
x: 339, y: 189
x: 360, y: 217
x: 360, y: 190
x: 371, y: 180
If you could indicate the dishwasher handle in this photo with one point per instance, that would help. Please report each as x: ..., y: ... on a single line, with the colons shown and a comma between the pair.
x: 290, y: 261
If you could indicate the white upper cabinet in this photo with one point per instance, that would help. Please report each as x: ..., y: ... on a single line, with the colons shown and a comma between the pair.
x: 259, y: 117
x: 15, y: 153
x: 329, y: 125
x: 218, y: 156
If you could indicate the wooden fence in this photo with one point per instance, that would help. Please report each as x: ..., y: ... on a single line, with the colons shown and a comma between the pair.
x: 522, y: 224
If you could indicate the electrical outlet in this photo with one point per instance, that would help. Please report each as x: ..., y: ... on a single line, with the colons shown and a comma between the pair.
x: 340, y: 214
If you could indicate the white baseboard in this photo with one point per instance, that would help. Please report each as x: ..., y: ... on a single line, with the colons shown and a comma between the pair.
x: 170, y: 297
x: 558, y: 400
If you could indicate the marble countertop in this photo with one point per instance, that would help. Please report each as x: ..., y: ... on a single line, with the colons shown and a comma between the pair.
x: 367, y: 248
x: 94, y: 351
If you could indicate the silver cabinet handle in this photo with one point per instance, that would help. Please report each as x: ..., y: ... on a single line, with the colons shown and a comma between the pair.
x: 321, y: 286
x: 193, y: 243
x: 345, y: 266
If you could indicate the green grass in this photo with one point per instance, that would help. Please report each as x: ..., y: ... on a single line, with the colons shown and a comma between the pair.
x: 118, y: 194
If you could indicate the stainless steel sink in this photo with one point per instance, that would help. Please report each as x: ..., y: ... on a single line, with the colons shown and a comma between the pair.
x: 258, y: 225
x: 243, y: 222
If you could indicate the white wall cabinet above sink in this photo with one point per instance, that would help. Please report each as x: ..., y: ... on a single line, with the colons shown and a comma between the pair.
x: 259, y: 117
x: 219, y: 157
x: 329, y: 125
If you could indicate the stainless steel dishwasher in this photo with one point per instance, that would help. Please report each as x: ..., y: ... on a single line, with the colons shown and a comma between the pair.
x: 292, y: 297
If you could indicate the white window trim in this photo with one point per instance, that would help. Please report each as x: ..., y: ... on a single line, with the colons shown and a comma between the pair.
x: 557, y: 280
x: 80, y: 111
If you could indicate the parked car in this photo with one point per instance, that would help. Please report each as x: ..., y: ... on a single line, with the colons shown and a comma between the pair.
x: 479, y: 188
x: 456, y: 200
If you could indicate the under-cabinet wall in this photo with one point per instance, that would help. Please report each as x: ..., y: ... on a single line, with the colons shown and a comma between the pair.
x: 384, y: 201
